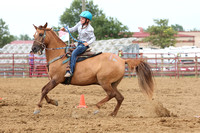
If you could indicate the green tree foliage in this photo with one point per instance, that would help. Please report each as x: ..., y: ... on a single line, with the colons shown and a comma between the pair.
x: 5, y: 36
x: 104, y: 27
x: 195, y: 29
x: 161, y: 35
x: 24, y: 37
x: 177, y: 27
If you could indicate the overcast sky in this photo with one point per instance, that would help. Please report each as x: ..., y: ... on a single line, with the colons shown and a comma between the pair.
x: 20, y: 15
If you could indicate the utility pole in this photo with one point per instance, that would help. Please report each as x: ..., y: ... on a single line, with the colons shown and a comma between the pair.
x: 83, y: 5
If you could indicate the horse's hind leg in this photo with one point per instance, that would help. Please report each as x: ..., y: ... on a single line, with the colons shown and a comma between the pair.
x: 110, y: 94
x: 112, y: 91
x: 49, y: 86
x: 118, y: 97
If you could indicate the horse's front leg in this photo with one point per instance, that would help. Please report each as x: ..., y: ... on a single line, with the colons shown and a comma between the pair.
x: 48, y: 87
x: 51, y: 101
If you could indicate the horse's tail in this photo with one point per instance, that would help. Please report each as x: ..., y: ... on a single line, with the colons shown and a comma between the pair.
x: 145, y: 75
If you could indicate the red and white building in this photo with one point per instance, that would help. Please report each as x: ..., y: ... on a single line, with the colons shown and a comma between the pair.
x: 184, y: 38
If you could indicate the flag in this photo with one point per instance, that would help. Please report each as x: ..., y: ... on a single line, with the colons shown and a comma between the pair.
x: 64, y: 36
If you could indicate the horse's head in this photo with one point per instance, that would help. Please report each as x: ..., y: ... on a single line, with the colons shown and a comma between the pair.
x: 40, y: 39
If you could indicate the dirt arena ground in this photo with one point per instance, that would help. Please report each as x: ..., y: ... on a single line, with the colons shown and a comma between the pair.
x: 179, y: 98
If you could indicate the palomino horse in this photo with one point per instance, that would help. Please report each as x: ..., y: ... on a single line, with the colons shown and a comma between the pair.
x: 106, y: 70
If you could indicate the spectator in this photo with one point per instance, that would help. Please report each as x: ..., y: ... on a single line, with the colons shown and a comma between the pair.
x: 31, y: 63
x: 120, y: 53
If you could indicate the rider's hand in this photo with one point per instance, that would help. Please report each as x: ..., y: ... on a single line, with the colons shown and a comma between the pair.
x: 62, y: 29
x: 85, y: 43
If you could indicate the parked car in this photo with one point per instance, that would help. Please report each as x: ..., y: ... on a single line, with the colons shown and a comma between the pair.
x: 187, y: 65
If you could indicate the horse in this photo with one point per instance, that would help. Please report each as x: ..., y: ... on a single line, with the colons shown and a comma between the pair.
x: 106, y: 70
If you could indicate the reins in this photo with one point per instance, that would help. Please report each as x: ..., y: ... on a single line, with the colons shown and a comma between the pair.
x: 72, y: 36
x: 44, y: 46
x: 61, y: 56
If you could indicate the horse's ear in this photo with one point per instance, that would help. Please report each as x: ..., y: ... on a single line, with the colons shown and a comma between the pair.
x: 35, y: 26
x: 45, y: 26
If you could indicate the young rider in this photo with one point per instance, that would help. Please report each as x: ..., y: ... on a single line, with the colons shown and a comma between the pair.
x: 85, y: 34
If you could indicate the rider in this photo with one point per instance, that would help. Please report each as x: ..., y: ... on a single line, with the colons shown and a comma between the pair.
x: 86, y: 35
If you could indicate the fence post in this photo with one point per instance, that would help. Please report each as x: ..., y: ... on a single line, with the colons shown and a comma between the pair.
x: 196, y: 68
x: 13, y: 66
x: 156, y: 63
x: 162, y: 65
x: 177, y: 66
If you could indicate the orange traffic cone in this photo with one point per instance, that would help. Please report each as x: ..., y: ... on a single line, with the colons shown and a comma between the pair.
x: 82, y: 102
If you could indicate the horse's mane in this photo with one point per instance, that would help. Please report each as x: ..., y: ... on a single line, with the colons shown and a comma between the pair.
x: 52, y: 32
x: 55, y: 35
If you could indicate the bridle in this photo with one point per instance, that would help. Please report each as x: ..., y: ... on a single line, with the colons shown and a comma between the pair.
x: 42, y: 43
x: 43, y: 37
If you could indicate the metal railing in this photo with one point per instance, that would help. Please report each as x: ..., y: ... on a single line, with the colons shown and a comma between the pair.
x: 17, y: 65
x: 173, y: 65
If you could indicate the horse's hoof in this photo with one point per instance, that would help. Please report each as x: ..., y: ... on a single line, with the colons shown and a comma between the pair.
x: 95, y: 112
x: 54, y: 102
x: 113, y: 114
x: 36, y: 111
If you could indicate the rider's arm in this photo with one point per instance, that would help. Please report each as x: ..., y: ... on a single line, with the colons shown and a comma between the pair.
x: 75, y: 28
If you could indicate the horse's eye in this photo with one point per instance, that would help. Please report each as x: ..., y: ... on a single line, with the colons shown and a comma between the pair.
x: 40, y: 34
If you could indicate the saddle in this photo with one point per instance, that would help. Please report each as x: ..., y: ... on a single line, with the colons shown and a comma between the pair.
x: 87, y: 54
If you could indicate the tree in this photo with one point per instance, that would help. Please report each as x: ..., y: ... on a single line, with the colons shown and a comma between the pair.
x: 103, y: 27
x: 5, y: 36
x: 24, y: 37
x: 195, y: 29
x: 161, y: 35
x: 177, y: 27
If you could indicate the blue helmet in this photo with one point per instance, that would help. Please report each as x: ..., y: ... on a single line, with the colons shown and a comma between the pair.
x: 86, y: 14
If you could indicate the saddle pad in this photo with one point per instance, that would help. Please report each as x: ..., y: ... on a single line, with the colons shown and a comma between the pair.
x: 81, y: 58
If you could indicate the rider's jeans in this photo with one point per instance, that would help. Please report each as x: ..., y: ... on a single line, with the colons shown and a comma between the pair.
x: 81, y: 48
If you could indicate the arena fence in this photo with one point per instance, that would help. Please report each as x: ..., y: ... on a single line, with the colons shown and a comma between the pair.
x: 17, y: 65
x: 168, y: 64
